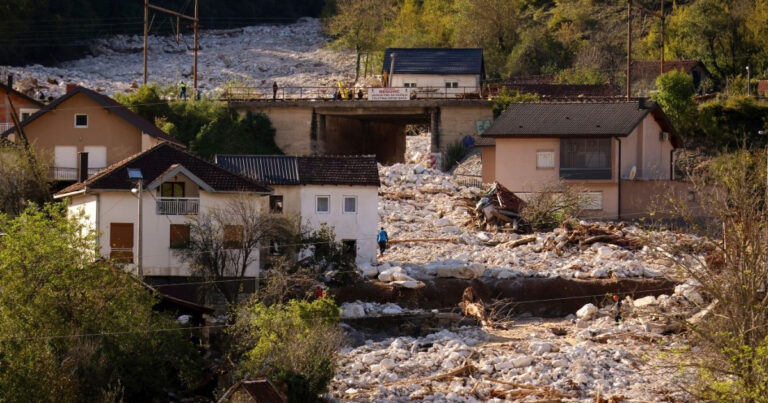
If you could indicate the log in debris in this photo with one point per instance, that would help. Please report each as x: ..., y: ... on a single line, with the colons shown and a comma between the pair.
x: 522, y: 390
x: 584, y: 235
x: 518, y: 242
x: 452, y: 240
x: 463, y: 371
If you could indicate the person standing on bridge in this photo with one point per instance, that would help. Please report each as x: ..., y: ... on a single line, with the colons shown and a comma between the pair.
x: 382, y: 239
x: 274, y: 90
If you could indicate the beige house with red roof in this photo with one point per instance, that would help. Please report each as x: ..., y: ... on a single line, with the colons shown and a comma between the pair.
x: 176, y: 186
x: 83, y: 120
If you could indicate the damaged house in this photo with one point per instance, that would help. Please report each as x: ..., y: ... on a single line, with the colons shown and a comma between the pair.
x: 619, y: 153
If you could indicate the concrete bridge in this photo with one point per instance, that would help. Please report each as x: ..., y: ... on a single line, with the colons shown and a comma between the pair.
x: 367, y: 127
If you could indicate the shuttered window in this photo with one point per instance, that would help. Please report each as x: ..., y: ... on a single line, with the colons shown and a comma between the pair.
x: 233, y: 236
x: 121, y: 242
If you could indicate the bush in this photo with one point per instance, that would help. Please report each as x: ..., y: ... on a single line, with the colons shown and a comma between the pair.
x: 57, y: 291
x: 546, y: 209
x: 505, y: 97
x: 675, y: 96
x: 731, y: 123
x: 293, y: 344
x: 328, y: 257
x: 454, y: 153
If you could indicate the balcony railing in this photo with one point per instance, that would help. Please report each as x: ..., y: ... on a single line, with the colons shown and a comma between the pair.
x: 235, y: 94
x: 70, y: 174
x: 178, y: 205
x: 5, y: 126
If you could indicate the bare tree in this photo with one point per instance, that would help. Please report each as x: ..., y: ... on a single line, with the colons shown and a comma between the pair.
x: 224, y: 242
x: 731, y: 332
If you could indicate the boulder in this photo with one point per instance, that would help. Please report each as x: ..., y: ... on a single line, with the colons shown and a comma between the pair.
x: 587, y: 312
x: 352, y: 310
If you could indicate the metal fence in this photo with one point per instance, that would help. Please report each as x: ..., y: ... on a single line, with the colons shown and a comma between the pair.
x: 329, y: 93
x: 475, y: 181
x: 70, y: 174
x: 178, y: 205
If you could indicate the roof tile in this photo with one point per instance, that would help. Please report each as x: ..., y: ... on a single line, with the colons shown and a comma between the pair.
x: 435, y: 61
x: 351, y: 170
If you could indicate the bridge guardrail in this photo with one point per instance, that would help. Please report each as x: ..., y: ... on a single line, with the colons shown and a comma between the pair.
x: 328, y: 93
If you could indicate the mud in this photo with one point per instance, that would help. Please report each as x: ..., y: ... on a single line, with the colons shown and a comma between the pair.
x: 544, y: 297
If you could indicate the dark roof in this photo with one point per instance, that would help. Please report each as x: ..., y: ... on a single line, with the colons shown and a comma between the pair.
x: 575, y: 119
x: 115, y: 107
x: 158, y: 160
x: 269, y: 169
x: 19, y: 94
x: 567, y: 90
x: 484, y: 142
x: 435, y: 61
x: 351, y: 170
x: 260, y: 390
x: 649, y: 69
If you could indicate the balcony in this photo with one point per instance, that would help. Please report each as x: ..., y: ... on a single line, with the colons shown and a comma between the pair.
x: 70, y: 174
x: 5, y: 126
x: 178, y: 205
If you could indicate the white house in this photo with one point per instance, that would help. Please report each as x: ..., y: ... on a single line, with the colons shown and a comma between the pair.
x: 341, y: 191
x: 175, y: 186
x: 435, y: 72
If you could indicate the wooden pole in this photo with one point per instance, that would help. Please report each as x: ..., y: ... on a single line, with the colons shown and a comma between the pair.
x: 194, y: 68
x: 629, y: 49
x: 146, y: 34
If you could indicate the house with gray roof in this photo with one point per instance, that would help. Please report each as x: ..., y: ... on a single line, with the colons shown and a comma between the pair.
x: 435, y: 72
x: 606, y: 149
x: 341, y: 191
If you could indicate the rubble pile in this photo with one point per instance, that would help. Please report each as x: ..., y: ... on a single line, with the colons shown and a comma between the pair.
x: 359, y: 309
x: 293, y: 55
x: 573, y: 359
x: 432, y: 231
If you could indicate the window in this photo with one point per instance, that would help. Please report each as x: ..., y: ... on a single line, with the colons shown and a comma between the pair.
x: 97, y: 158
x: 323, y: 204
x: 451, y: 84
x: 545, y: 160
x: 349, y: 247
x: 121, y: 242
x: 585, y: 158
x: 81, y: 120
x: 24, y: 113
x: 233, y: 236
x: 276, y: 204
x: 172, y: 189
x: 179, y: 236
x: 409, y: 85
x: 274, y: 248
x: 350, y: 204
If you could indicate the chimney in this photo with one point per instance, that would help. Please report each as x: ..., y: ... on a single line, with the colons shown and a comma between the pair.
x: 71, y: 87
x: 641, y: 103
x: 82, y: 167
x: 10, y: 80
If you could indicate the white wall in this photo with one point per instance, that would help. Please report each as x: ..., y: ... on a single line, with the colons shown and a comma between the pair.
x: 361, y: 226
x: 158, y: 258
x: 438, y: 81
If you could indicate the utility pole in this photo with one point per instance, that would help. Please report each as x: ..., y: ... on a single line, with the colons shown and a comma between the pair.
x: 195, y: 26
x: 748, y: 78
x: 194, y: 67
x: 146, y: 37
x: 629, y: 49
x: 662, y: 37
x: 139, y: 247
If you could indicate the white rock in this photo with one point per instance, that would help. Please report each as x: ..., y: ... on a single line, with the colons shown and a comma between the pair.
x: 645, y: 301
x: 484, y: 236
x: 522, y: 361
x: 352, y: 310
x: 587, y: 312
x: 387, y: 364
x: 412, y: 284
x: 540, y: 348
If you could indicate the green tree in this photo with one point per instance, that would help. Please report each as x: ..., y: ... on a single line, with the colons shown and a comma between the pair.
x: 675, y: 96
x: 505, y: 97
x: 22, y: 178
x: 73, y: 327
x: 294, y: 344
x: 731, y: 123
x: 358, y: 24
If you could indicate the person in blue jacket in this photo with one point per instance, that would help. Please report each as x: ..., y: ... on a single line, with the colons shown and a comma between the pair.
x: 382, y: 239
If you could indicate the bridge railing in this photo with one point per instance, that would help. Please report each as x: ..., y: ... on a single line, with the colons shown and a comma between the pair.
x: 330, y: 93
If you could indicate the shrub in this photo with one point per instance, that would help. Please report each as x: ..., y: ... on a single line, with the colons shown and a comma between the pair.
x: 454, y: 152
x: 505, y: 97
x: 546, y: 209
x: 294, y: 344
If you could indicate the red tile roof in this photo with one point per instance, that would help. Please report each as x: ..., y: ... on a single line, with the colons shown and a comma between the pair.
x: 156, y: 161
x: 649, y: 69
